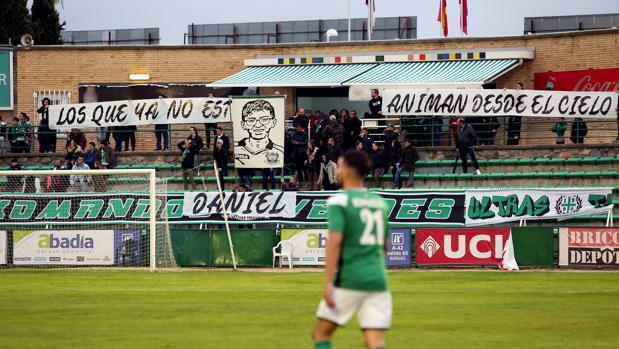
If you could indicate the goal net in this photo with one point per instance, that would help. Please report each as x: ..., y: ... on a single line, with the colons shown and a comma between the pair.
x: 84, y: 218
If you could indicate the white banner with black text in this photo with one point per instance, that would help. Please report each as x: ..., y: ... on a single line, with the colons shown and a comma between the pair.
x: 533, y: 103
x: 140, y: 112
x: 241, y: 206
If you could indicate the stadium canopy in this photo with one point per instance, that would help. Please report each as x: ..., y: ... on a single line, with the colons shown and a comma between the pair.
x: 467, y: 72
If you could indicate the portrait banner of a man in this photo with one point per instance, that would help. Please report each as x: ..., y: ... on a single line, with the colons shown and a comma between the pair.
x: 258, y: 131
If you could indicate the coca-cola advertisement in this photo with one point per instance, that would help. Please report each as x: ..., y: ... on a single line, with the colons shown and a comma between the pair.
x: 591, y: 80
x: 482, y: 246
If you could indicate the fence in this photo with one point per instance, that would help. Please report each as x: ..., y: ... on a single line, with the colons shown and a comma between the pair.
x: 424, y: 131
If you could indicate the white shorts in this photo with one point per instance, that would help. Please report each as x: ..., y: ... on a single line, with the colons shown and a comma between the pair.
x: 373, y: 309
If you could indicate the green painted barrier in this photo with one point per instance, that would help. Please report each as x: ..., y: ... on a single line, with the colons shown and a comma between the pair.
x: 209, y: 248
x: 533, y: 246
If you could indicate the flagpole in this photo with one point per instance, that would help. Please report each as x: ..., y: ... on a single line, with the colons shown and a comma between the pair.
x: 348, y: 20
x: 370, y: 4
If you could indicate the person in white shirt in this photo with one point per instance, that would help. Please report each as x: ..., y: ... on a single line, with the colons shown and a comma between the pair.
x: 80, y: 182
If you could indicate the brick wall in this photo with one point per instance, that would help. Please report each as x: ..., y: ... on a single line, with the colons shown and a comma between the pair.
x: 65, y: 67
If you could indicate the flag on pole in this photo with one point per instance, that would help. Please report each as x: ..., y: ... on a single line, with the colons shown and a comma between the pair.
x: 464, y: 14
x: 442, y: 17
x: 371, y: 20
x: 371, y: 9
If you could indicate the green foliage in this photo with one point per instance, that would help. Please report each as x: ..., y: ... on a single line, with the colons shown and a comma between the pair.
x: 224, y: 309
x: 46, y: 26
x: 14, y: 20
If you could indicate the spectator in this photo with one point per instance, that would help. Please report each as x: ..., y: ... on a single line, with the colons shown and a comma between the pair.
x: 312, y: 165
x: 90, y: 155
x: 453, y: 129
x: 106, y: 156
x: 78, y: 136
x: 162, y: 135
x: 187, y: 163
x: 242, y: 188
x: 328, y: 174
x: 47, y: 137
x: 378, y: 164
x: 99, y: 182
x: 488, y: 127
x: 288, y: 153
x: 211, y: 127
x: 436, y: 127
x: 4, y: 137
x: 245, y: 176
x: 130, y: 137
x: 465, y: 141
x: 198, y: 145
x: 300, y: 118
x: 15, y: 184
x: 313, y: 125
x: 409, y: 157
x: 389, y: 135
x: 514, y: 124
x: 268, y: 176
x: 338, y: 133
x: 221, y: 135
x: 396, y: 163
x: 376, y: 104
x: 80, y: 182
x: 352, y: 126
x: 220, y: 155
x: 292, y: 184
x: 299, y: 142
x: 333, y: 151
x: 366, y: 140
x: 57, y: 184
x: 559, y: 130
x: 359, y: 146
x: 20, y: 134
x: 328, y: 131
x: 579, y: 131
x: 119, y: 135
x: 73, y: 152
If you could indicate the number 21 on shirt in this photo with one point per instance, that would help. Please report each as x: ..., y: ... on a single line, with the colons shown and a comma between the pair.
x: 374, y: 231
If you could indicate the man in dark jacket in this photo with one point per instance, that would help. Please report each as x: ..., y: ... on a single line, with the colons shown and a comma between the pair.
x: 220, y: 155
x: 299, y: 142
x: 409, y: 157
x: 579, y: 131
x: 187, y: 162
x: 47, y: 137
x: 466, y: 139
x: 365, y: 139
x: 300, y: 119
x: 378, y: 164
x: 352, y: 126
x: 514, y: 124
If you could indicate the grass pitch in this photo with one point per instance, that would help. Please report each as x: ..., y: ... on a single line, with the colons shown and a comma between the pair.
x: 224, y: 309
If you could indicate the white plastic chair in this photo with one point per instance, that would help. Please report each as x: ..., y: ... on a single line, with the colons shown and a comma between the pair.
x: 286, y: 247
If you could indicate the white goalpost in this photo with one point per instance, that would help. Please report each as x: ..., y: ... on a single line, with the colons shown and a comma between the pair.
x: 72, y: 218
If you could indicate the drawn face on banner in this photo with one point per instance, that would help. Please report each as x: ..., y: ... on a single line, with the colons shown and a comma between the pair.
x: 258, y: 132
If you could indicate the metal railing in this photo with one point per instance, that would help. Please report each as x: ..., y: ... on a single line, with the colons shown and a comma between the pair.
x: 424, y: 131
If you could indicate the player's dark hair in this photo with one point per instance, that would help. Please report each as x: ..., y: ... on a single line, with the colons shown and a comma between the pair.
x: 358, y: 160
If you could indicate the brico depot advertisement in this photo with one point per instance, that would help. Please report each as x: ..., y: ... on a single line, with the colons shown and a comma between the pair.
x: 63, y: 247
x: 436, y: 246
x: 589, y: 247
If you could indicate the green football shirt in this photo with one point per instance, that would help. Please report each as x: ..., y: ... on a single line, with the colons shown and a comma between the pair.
x: 362, y: 217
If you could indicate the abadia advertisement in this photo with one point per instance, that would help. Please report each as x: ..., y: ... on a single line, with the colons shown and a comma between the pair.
x: 63, y: 247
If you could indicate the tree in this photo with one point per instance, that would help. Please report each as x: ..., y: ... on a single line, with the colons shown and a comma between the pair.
x: 46, y: 26
x: 14, y: 20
